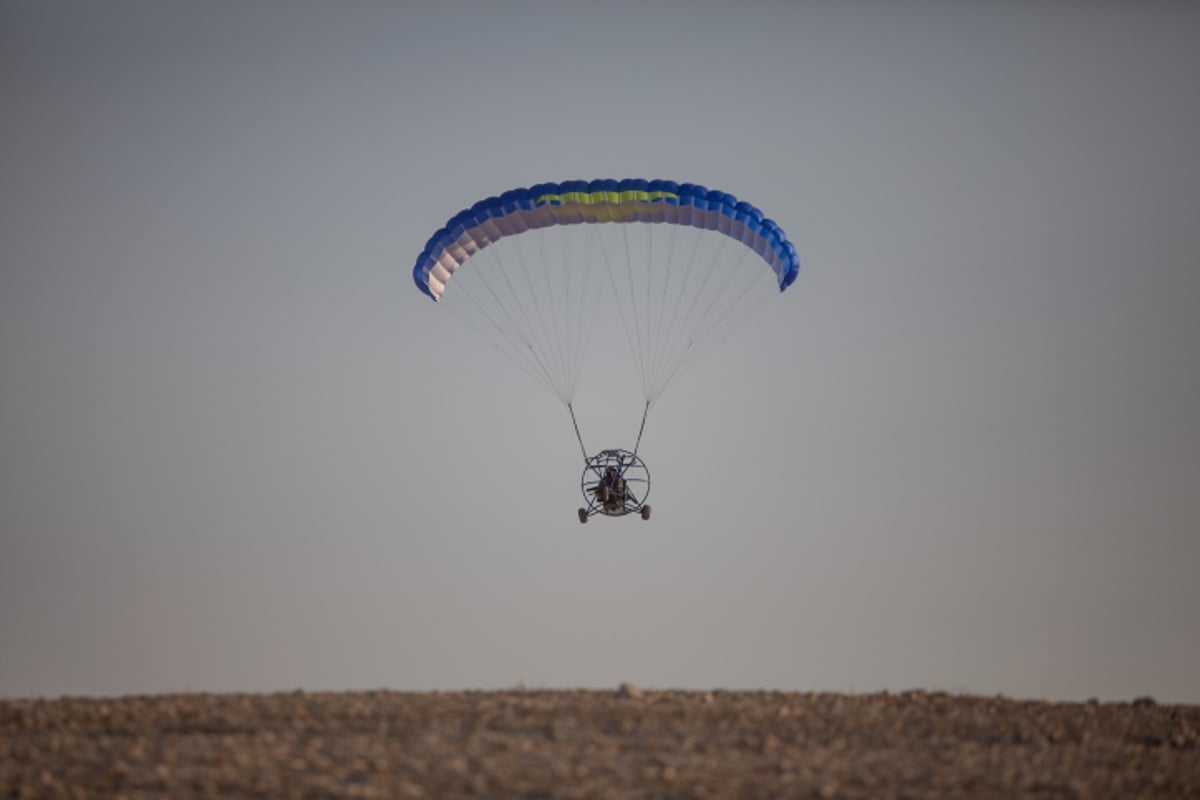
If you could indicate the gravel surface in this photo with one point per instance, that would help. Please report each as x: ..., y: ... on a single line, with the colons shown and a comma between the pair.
x: 628, y: 743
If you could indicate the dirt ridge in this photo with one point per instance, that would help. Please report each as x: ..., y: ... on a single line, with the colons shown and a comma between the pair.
x: 631, y: 742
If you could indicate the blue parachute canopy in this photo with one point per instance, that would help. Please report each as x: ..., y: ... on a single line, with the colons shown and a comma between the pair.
x: 605, y: 200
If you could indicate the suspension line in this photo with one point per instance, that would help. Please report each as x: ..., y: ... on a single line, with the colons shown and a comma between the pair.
x: 582, y: 449
x: 641, y: 430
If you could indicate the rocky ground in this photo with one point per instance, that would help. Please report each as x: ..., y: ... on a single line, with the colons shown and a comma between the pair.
x: 628, y: 743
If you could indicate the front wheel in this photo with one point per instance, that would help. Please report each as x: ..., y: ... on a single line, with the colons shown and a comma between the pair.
x: 583, y: 515
x: 645, y: 512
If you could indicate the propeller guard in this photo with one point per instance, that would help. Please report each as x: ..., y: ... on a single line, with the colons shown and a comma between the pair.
x: 627, y: 495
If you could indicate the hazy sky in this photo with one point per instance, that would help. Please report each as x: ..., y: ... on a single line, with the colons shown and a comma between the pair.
x: 240, y: 451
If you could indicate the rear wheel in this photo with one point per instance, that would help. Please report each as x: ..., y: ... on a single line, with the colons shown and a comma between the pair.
x: 583, y: 515
x: 645, y: 512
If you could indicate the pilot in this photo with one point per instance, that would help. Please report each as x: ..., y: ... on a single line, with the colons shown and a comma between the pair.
x: 611, y: 490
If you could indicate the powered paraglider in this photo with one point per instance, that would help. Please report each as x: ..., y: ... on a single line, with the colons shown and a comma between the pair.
x: 686, y: 267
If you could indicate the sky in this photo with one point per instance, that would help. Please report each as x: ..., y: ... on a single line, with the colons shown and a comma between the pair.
x: 239, y: 451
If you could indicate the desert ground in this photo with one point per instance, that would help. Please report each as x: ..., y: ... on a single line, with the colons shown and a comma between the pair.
x: 624, y: 743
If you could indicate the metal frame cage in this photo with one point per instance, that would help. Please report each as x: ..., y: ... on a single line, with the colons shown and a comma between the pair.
x: 603, y: 500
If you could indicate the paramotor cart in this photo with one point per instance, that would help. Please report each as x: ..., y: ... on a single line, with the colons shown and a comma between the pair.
x: 614, y: 483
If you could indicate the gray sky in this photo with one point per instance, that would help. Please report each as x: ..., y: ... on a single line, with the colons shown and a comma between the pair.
x: 240, y: 451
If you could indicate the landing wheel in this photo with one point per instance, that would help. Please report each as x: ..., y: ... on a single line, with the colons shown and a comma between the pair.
x: 583, y: 515
x: 645, y: 512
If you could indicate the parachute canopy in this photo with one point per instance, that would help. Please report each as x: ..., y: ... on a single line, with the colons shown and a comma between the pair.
x: 606, y: 200
x: 686, y: 267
